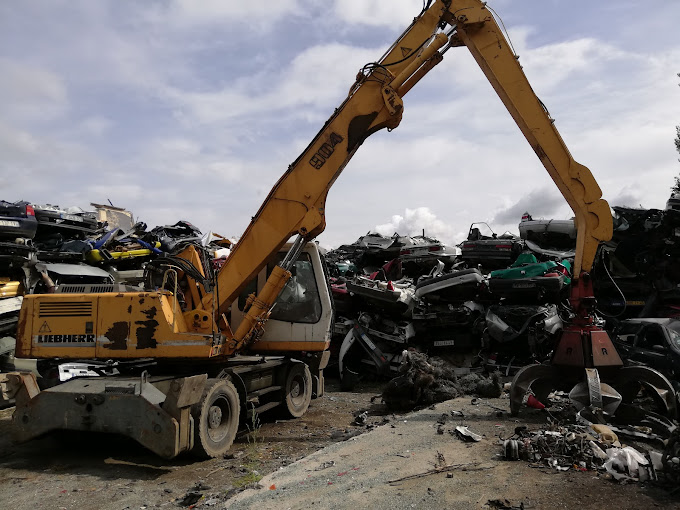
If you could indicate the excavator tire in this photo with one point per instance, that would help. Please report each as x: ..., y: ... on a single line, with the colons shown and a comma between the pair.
x: 298, y: 391
x: 216, y: 418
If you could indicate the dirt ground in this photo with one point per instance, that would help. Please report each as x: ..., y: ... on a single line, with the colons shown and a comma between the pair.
x: 64, y: 471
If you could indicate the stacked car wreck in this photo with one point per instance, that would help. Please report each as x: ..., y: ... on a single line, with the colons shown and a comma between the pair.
x: 452, y: 305
x: 480, y: 318
x: 46, y: 249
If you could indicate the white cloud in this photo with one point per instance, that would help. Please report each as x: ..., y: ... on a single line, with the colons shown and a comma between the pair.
x: 542, y: 202
x: 414, y: 222
x: 315, y: 78
x: 192, y: 12
x: 30, y: 93
x: 551, y: 64
x: 377, y: 12
x: 210, y: 102
x: 94, y: 126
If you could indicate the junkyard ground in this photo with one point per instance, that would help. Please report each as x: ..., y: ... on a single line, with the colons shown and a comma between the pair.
x: 102, y: 472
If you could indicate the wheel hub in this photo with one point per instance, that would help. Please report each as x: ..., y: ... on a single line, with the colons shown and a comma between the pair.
x: 214, y: 417
x: 295, y: 389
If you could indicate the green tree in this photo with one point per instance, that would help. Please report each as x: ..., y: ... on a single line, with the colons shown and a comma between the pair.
x: 676, y: 187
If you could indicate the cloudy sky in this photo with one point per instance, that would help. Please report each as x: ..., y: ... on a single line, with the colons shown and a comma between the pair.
x: 192, y: 109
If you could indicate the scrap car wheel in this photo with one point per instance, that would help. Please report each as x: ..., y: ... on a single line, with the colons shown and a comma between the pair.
x: 216, y: 418
x: 298, y: 390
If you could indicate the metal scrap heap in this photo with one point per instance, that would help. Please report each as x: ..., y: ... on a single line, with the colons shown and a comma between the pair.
x: 47, y: 248
x: 500, y: 302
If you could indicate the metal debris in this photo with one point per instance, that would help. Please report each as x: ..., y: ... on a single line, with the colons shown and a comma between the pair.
x: 466, y: 434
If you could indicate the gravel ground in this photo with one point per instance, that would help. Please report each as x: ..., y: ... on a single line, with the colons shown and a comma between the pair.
x: 83, y: 471
x: 368, y: 471
x: 317, y: 461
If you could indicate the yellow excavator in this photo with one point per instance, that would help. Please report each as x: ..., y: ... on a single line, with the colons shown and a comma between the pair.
x: 190, y: 356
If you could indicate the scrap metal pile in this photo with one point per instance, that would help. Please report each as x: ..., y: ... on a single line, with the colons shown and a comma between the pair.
x: 639, y: 274
x: 499, y: 302
x: 424, y: 381
x: 46, y: 248
x: 624, y: 454
x: 489, y: 303
x: 492, y: 303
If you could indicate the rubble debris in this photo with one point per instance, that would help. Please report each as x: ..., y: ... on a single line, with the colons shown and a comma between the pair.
x: 670, y: 459
x: 114, y: 217
x: 360, y: 418
x: 503, y: 504
x: 425, y: 381
x: 478, y: 401
x: 511, y: 449
x: 487, y: 387
x: 626, y: 460
x: 466, y: 434
x: 190, y: 498
x: 325, y: 465
x: 594, y: 447
x: 606, y: 435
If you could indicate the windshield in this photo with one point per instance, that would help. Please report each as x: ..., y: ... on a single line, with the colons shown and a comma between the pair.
x: 674, y: 333
x: 480, y: 231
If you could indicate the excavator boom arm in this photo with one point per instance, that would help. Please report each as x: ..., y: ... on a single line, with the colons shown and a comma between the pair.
x: 296, y: 204
x: 477, y: 29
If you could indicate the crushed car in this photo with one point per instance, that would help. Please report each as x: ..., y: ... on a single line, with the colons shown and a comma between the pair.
x: 654, y: 342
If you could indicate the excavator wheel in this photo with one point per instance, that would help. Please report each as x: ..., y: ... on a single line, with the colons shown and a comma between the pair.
x: 216, y: 418
x: 298, y: 391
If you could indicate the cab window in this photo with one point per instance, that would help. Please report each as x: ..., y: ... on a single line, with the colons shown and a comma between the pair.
x: 299, y: 300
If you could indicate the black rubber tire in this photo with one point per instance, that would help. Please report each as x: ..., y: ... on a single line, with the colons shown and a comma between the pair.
x: 298, y: 391
x: 216, y: 418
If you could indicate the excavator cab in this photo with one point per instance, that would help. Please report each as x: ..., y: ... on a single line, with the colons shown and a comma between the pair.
x: 302, y: 315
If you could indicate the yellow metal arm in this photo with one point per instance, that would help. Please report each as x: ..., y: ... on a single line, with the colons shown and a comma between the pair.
x: 296, y: 203
x: 477, y: 29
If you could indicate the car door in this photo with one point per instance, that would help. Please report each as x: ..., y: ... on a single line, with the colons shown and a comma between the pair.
x: 651, y: 348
